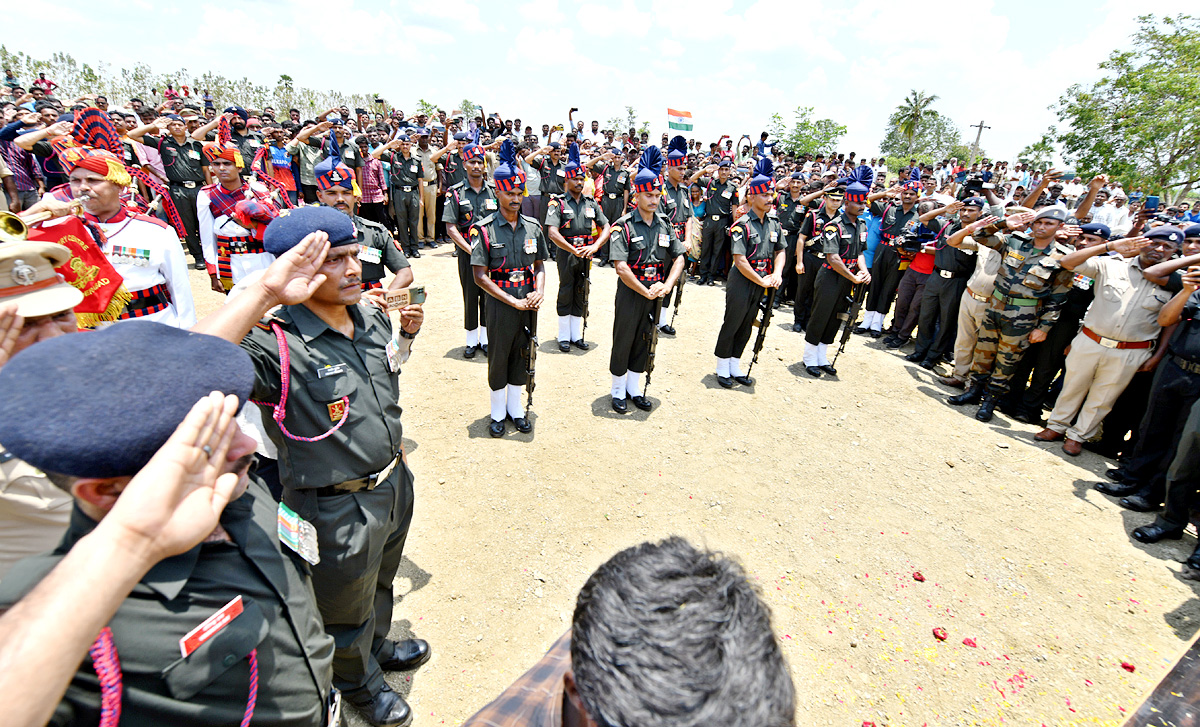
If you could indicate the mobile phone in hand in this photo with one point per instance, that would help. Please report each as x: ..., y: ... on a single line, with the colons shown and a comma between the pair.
x: 397, y: 299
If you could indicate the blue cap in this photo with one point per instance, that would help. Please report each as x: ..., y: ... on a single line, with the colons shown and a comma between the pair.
x: 100, y: 404
x: 763, y: 181
x: 724, y: 163
x: 461, y: 136
x: 1192, y: 230
x: 649, y: 168
x: 676, y: 151
x: 858, y: 184
x: 979, y: 202
x: 291, y: 226
x: 237, y: 110
x: 1097, y: 229
x: 1166, y: 232
x: 509, y: 175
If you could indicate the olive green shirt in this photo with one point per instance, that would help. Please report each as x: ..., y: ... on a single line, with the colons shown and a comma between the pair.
x: 574, y: 219
x: 634, y: 242
x: 377, y: 250
x: 757, y: 239
x: 1032, y: 273
x: 464, y: 205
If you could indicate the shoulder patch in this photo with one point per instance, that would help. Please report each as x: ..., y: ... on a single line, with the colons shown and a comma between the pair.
x: 148, y: 218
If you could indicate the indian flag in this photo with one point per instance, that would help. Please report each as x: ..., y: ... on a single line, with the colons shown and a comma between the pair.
x: 679, y: 120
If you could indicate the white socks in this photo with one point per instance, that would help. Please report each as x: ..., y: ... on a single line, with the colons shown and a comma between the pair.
x: 576, y: 328
x: 873, y: 320
x: 723, y: 367
x: 665, y: 317
x: 812, y: 355
x: 618, y: 386
x: 473, y: 338
x: 498, y: 405
x: 633, y: 383
x: 735, y: 367
x: 822, y: 354
x: 564, y: 329
x: 514, y: 402
x: 483, y: 335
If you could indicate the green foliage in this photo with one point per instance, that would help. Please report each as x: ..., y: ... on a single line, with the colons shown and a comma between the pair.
x: 935, y: 137
x: 1141, y: 122
x: 805, y: 136
x: 467, y: 106
x: 424, y: 107
x: 1039, y: 153
x: 914, y: 114
x: 619, y: 125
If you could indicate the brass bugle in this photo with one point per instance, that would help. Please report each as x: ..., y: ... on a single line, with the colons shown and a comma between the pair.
x: 16, y: 227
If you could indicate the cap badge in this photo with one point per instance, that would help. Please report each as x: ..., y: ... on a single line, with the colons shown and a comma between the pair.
x: 23, y: 273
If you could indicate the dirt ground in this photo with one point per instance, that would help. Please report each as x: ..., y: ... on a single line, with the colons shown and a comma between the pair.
x: 830, y: 492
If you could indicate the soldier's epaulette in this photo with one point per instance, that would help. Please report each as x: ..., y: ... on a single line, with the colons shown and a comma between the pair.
x: 830, y: 225
x: 456, y: 185
x: 368, y: 223
x: 483, y: 221
x: 740, y: 220
x: 265, y: 323
x: 527, y: 218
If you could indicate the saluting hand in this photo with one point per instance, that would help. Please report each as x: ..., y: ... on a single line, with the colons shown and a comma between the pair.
x: 10, y: 329
x: 1191, y: 279
x: 295, y: 276
x: 1129, y: 246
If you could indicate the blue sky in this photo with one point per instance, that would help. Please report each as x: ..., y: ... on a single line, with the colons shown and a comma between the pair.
x: 731, y: 64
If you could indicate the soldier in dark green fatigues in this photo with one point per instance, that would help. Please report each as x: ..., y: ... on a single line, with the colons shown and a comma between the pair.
x: 1030, y: 289
x: 843, y: 244
x: 507, y: 250
x: 184, y: 164
x: 677, y: 208
x: 642, y: 243
x: 889, y: 262
x: 137, y: 658
x: 807, y: 254
x: 720, y: 197
x: 571, y: 222
x: 466, y: 201
x: 377, y: 249
x: 406, y: 190
x: 337, y: 427
x: 550, y: 164
x: 612, y: 189
x: 759, y: 252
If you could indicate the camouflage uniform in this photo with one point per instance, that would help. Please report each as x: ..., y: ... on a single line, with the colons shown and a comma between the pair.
x: 1030, y: 290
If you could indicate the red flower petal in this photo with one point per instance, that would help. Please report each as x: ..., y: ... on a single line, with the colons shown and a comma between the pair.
x: 918, y: 577
x: 868, y: 724
x: 1127, y: 666
x: 939, y: 633
x: 970, y: 642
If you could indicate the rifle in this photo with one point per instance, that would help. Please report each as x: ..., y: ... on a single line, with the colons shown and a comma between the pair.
x: 587, y: 295
x: 679, y: 291
x: 851, y: 317
x: 530, y: 358
x: 763, y: 325
x: 658, y: 305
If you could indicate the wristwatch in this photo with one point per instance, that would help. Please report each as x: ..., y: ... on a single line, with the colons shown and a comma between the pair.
x: 406, y: 334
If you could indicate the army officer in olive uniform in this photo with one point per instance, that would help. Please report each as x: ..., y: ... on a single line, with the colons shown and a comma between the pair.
x: 759, y: 252
x: 571, y: 221
x: 330, y: 407
x: 642, y: 244
x: 466, y: 201
x: 507, y: 251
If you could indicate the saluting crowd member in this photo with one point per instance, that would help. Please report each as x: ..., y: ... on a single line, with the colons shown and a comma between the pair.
x: 183, y: 162
x: 642, y: 243
x: 888, y: 264
x: 844, y: 244
x: 466, y: 201
x: 377, y: 249
x: 406, y: 190
x: 720, y: 198
x: 809, y: 252
x: 326, y: 376
x: 1030, y: 289
x: 759, y: 252
x: 507, y: 254
x: 234, y: 213
x: 570, y: 221
x: 677, y: 208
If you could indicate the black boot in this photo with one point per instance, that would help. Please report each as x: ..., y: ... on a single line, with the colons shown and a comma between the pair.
x: 987, y: 408
x: 972, y: 395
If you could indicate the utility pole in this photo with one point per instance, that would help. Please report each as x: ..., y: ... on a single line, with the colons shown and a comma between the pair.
x: 975, y: 148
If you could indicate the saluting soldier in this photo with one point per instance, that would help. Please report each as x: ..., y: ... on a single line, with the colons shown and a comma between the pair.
x: 270, y: 663
x: 327, y: 380
x: 377, y: 249
x: 549, y: 163
x: 1030, y: 289
x: 844, y: 244
x: 889, y: 262
x: 406, y: 190
x: 720, y: 197
x: 759, y: 252
x: 810, y: 249
x: 641, y: 245
x: 677, y: 208
x: 571, y: 221
x: 507, y: 254
x: 613, y: 185
x: 466, y: 201
x: 184, y: 164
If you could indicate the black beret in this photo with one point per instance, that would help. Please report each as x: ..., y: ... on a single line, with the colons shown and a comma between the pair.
x: 1096, y: 228
x: 100, y: 404
x: 978, y: 202
x: 287, y: 230
x: 1192, y: 230
x: 1166, y: 232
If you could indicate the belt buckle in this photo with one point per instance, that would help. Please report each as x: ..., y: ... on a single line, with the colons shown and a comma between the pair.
x: 516, y: 276
x: 716, y: 217
x: 189, y: 185
x: 1108, y: 342
x: 945, y: 274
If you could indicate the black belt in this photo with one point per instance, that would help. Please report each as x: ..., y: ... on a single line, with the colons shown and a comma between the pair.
x: 1192, y: 367
x: 362, y: 483
x: 189, y: 184
x: 951, y: 275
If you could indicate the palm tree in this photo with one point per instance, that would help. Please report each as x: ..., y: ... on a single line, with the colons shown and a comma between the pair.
x: 913, y: 111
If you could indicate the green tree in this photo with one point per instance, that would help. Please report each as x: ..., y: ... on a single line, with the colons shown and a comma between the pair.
x: 467, y: 106
x: 936, y: 138
x: 805, y: 135
x: 631, y: 121
x: 1039, y: 153
x: 424, y: 107
x: 1141, y: 122
x: 914, y: 113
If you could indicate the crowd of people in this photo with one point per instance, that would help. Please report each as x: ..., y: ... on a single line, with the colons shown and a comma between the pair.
x: 1060, y: 303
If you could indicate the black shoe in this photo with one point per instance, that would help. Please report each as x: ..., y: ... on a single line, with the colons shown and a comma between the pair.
x: 1024, y: 415
x: 744, y: 380
x: 414, y: 254
x: 484, y: 347
x: 641, y: 402
x: 619, y: 406
x: 703, y: 280
x: 813, y: 371
x: 1155, y: 532
x: 897, y: 342
x: 564, y: 346
x: 1116, y: 474
x: 496, y: 429
x: 522, y: 424
x: 197, y: 266
x: 1117, y: 489
x: 667, y: 330
x: 469, y: 351
x: 914, y: 357
x: 862, y: 330
x: 987, y: 408
x: 1193, y: 560
x: 581, y: 344
x: 928, y: 364
x: 1139, y: 503
x: 725, y: 382
x: 972, y: 395
x: 828, y: 369
x: 798, y: 328
x: 384, y: 709
x: 876, y: 334
x: 1099, y: 447
x: 407, y: 655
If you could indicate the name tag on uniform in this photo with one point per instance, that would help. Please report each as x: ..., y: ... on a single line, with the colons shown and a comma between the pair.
x: 589, y: 213
x: 774, y: 236
x: 621, y: 178
x: 195, y: 638
x: 489, y: 204
x: 664, y: 240
x: 369, y: 254
x: 1014, y: 258
x: 332, y: 370
x: 193, y: 154
x: 636, y: 239
x: 562, y: 172
x: 298, y: 534
x: 727, y: 193
x: 530, y: 246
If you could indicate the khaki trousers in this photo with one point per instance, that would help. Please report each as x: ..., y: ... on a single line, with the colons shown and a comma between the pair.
x: 970, y: 317
x: 1095, y: 376
x: 426, y: 224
